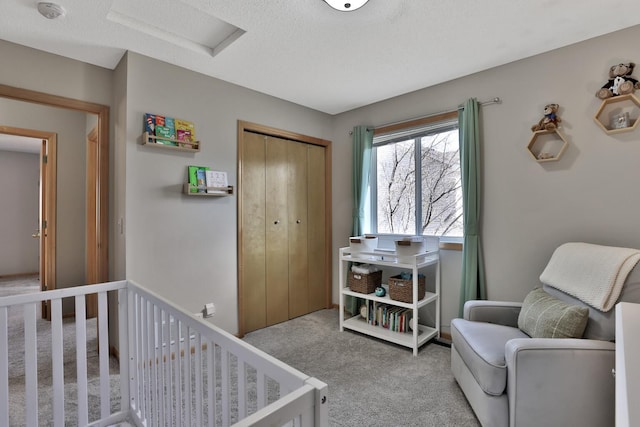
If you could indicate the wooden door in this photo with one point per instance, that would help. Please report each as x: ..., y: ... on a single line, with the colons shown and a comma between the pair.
x: 276, y: 231
x: 297, y: 189
x: 318, y: 262
x: 252, y: 244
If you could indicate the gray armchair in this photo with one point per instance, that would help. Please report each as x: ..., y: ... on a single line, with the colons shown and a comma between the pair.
x: 511, y: 379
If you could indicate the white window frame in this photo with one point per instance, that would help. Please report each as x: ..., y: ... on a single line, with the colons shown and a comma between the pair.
x: 413, y: 130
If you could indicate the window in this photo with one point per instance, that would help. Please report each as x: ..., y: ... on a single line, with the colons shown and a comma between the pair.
x: 415, y: 179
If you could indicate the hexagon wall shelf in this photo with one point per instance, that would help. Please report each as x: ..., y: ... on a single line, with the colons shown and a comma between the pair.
x: 547, y: 145
x: 618, y: 114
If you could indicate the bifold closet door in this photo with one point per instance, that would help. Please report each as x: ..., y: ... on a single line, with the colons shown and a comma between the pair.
x: 283, y: 230
x: 297, y: 185
x: 277, y: 230
x: 253, y: 239
x: 316, y: 229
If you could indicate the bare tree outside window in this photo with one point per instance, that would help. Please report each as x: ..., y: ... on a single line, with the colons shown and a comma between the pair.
x: 441, y: 185
x: 439, y: 194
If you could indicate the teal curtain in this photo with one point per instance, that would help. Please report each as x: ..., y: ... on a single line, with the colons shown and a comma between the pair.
x: 473, y: 283
x: 362, y: 148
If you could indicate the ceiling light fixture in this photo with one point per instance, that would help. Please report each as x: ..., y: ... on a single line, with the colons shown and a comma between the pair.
x: 346, y: 5
x: 51, y: 10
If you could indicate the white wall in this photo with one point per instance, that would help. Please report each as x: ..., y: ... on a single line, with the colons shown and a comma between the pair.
x: 184, y: 247
x: 19, y: 184
x: 71, y: 172
x: 528, y: 208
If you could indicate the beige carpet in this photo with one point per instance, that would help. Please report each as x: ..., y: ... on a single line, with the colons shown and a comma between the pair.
x: 371, y: 382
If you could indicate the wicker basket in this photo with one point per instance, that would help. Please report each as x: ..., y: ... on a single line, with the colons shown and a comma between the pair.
x: 365, y: 283
x: 402, y: 290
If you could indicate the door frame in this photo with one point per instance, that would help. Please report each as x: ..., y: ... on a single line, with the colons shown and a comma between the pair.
x: 102, y: 185
x: 279, y: 133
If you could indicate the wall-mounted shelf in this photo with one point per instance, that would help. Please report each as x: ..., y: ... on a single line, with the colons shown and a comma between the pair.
x: 209, y: 191
x: 625, y: 107
x: 547, y: 145
x: 171, y: 144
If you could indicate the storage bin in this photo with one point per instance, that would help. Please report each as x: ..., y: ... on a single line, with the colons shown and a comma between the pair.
x: 363, y: 243
x: 407, y: 248
x: 402, y: 290
x: 365, y: 283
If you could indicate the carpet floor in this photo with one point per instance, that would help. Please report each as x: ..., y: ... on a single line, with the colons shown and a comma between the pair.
x: 371, y: 382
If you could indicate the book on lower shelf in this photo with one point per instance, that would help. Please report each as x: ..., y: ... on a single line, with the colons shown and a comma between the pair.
x: 387, y: 316
x: 197, y: 179
x: 216, y: 182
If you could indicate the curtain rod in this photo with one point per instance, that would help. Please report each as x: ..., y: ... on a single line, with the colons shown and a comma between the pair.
x: 495, y: 100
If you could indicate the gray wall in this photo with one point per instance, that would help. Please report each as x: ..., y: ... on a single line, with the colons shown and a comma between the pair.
x: 19, y: 183
x: 185, y: 247
x: 71, y: 172
x: 528, y: 209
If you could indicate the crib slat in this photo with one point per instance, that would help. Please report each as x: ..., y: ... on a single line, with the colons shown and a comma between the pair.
x: 57, y: 360
x: 159, y: 314
x: 242, y: 388
x: 124, y: 343
x: 211, y: 370
x: 81, y: 359
x: 187, y: 374
x: 178, y: 370
x: 225, y: 382
x: 30, y: 365
x: 103, y: 348
x: 4, y: 367
x: 166, y: 318
x: 261, y: 388
x: 198, y: 378
x: 146, y: 360
x: 150, y: 383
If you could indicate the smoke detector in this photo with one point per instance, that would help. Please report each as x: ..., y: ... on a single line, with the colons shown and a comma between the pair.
x: 51, y: 10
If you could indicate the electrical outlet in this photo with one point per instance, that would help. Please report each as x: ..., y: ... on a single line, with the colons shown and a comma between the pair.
x: 209, y: 310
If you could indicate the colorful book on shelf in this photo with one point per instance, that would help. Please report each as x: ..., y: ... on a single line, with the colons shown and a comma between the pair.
x: 150, y: 125
x: 165, y: 131
x: 197, y: 173
x: 185, y: 131
x: 216, y: 182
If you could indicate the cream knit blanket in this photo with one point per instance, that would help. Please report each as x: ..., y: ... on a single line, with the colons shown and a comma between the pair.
x: 592, y: 273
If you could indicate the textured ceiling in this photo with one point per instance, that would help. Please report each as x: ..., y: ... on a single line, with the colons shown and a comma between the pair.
x: 305, y: 52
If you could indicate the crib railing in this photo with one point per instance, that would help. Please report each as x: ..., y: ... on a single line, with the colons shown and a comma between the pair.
x: 174, y: 369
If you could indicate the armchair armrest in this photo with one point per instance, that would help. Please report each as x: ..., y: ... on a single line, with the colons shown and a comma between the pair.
x: 554, y: 382
x: 499, y: 312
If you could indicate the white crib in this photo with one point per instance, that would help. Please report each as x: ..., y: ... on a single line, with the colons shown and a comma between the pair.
x: 174, y: 370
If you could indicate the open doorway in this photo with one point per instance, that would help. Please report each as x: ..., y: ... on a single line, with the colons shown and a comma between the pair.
x: 30, y: 157
x: 93, y: 259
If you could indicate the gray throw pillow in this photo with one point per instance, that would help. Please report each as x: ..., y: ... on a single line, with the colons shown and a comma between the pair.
x: 544, y: 316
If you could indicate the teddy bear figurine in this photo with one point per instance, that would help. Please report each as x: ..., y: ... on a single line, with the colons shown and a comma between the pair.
x: 620, y: 81
x: 550, y: 121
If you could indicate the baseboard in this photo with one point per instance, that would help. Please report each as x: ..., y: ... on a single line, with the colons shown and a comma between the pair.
x: 16, y: 275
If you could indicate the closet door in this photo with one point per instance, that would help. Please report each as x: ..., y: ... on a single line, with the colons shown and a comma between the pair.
x: 276, y: 231
x: 253, y: 238
x: 297, y: 188
x: 318, y: 264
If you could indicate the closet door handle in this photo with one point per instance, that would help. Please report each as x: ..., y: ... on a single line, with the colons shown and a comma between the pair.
x: 276, y: 222
x: 298, y: 221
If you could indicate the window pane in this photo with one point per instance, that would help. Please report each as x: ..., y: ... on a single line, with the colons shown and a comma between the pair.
x: 441, y: 185
x: 396, y: 188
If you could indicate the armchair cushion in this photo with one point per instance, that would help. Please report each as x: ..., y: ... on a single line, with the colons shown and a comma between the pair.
x: 481, y: 346
x: 543, y: 316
